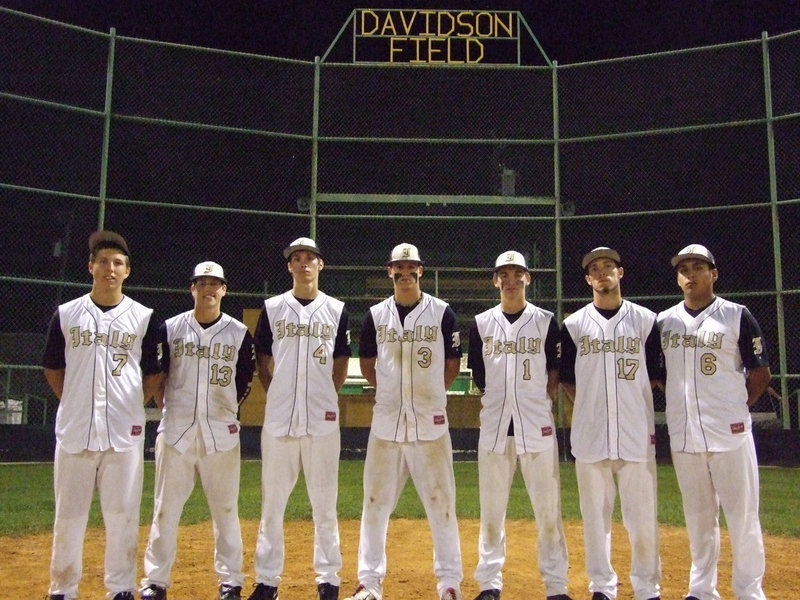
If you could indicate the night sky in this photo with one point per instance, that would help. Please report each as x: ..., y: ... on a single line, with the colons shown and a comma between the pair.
x: 568, y: 30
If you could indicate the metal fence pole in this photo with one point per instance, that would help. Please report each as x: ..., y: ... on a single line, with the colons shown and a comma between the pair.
x: 101, y: 210
x: 776, y: 232
x: 312, y: 204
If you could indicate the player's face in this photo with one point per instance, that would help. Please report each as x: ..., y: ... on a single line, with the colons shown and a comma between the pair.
x: 603, y: 275
x: 511, y: 279
x: 696, y: 278
x: 208, y: 292
x: 109, y: 269
x: 405, y: 273
x: 305, y: 266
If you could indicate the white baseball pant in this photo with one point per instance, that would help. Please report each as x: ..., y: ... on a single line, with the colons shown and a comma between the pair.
x: 118, y: 479
x: 730, y: 479
x: 637, y: 483
x: 387, y: 467
x: 540, y: 471
x: 175, y: 479
x: 281, y: 461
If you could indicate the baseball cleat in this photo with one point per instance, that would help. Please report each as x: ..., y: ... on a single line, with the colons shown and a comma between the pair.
x: 262, y: 591
x: 490, y: 594
x: 451, y: 594
x: 230, y: 592
x: 558, y: 597
x: 362, y: 593
x: 328, y: 591
x: 154, y: 592
x: 123, y: 596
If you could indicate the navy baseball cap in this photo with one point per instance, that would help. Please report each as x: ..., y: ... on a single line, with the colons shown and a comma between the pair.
x: 107, y: 239
x: 600, y: 252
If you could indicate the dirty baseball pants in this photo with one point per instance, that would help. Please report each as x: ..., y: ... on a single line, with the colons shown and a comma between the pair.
x: 598, y: 483
x: 540, y: 472
x: 281, y: 461
x: 387, y: 467
x: 176, y: 474
x: 730, y: 479
x: 118, y: 479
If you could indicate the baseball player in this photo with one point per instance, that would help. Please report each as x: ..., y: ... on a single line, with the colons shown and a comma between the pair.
x: 208, y: 361
x: 101, y: 362
x: 410, y: 351
x: 302, y: 348
x: 716, y: 366
x: 610, y: 359
x: 513, y: 354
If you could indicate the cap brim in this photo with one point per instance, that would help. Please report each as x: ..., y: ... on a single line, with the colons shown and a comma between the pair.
x: 678, y: 259
x: 287, y: 252
x: 609, y: 254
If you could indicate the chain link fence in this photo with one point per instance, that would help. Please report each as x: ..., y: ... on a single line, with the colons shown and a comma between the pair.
x: 195, y: 154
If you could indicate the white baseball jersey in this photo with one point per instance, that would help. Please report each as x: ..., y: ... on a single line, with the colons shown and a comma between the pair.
x: 201, y: 395
x: 706, y: 393
x: 302, y: 399
x: 516, y: 380
x: 613, y: 413
x: 410, y: 397
x: 101, y: 406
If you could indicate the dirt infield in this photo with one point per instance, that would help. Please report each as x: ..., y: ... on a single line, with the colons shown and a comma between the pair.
x: 25, y: 562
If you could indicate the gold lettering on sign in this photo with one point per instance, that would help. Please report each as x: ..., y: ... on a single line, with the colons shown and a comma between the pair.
x: 438, y: 36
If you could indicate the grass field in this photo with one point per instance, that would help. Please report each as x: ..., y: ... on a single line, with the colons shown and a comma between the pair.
x: 26, y: 497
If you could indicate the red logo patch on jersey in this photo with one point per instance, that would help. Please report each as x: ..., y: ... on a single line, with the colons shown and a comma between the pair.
x: 438, y: 419
x: 330, y: 415
x: 136, y: 430
x: 233, y: 428
x: 547, y: 431
x: 652, y: 440
x: 737, y: 427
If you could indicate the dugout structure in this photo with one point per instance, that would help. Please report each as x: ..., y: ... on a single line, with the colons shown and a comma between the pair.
x: 199, y: 153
